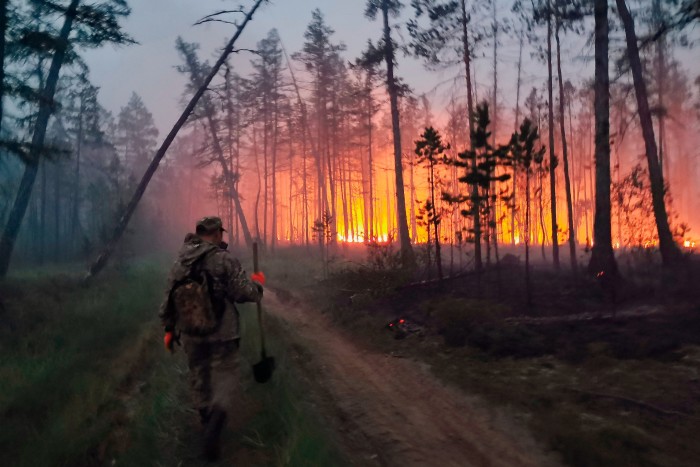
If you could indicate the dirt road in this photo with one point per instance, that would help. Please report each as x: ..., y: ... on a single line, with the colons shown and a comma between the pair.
x: 391, y: 411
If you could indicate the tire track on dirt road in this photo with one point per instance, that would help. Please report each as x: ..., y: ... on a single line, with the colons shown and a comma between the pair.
x: 393, y: 412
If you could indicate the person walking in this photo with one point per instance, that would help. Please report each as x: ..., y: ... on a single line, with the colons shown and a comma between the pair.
x: 199, y: 308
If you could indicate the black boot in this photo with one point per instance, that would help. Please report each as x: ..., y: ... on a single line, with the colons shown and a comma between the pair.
x: 204, y: 416
x: 212, y: 433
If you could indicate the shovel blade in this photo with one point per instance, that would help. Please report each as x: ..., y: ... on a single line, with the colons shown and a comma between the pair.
x: 262, y: 371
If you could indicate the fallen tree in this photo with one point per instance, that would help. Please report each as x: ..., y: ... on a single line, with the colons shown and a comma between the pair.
x: 107, y: 251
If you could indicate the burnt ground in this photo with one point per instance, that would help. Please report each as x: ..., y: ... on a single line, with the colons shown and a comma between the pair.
x: 391, y: 411
x: 599, y: 378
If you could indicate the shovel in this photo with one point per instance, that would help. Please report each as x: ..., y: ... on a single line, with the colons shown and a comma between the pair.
x: 262, y: 371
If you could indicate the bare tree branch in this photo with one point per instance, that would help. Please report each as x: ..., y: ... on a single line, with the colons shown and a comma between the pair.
x: 212, y: 16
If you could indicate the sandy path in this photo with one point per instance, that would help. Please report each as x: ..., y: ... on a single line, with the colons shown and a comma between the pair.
x: 391, y: 411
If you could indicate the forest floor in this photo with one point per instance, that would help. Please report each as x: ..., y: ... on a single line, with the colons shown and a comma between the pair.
x: 599, y: 378
x: 577, y: 379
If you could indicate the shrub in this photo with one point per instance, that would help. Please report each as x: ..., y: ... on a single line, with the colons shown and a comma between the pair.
x: 458, y: 319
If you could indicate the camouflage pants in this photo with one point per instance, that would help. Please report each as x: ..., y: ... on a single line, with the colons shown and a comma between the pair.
x: 214, y: 373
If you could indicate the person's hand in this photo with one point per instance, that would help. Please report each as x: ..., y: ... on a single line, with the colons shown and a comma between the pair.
x: 258, y: 277
x: 169, y: 341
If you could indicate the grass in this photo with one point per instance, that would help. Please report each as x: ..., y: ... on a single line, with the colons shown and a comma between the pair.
x: 85, y: 381
x: 58, y: 341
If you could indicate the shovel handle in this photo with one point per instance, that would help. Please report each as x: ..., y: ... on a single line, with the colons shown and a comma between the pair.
x: 255, y: 257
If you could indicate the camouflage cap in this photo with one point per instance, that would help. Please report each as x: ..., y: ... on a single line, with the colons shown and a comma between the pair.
x: 209, y: 225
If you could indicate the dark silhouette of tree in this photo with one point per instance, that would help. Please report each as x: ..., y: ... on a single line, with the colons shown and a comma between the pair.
x: 431, y: 152
x: 602, y: 264
x: 524, y: 149
x: 87, y: 25
x: 102, y: 259
x: 670, y: 252
x: 392, y: 8
x: 266, y: 93
x: 448, y: 38
x: 196, y: 72
x: 480, y: 166
x: 136, y: 134
x: 320, y: 56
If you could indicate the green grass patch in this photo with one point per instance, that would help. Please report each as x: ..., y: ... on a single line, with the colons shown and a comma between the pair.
x: 65, y: 352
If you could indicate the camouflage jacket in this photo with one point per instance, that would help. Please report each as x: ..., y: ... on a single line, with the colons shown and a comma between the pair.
x: 229, y: 283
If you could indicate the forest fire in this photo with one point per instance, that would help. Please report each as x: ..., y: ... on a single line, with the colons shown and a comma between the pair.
x: 430, y: 210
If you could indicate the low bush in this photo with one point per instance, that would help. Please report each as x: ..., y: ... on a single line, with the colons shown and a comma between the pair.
x: 459, y: 319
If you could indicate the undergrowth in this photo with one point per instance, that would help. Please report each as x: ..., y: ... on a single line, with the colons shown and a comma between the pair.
x: 86, y: 382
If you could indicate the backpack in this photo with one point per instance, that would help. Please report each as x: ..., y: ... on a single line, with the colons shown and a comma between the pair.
x: 191, y: 299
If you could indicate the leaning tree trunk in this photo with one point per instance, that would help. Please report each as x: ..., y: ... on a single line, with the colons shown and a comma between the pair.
x: 602, y: 258
x: 102, y: 259
x: 552, y: 156
x: 670, y: 252
x: 564, y: 150
x: 46, y: 107
x: 404, y: 238
x: 229, y: 178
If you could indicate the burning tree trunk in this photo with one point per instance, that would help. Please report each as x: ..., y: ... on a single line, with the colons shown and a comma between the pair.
x: 670, y: 252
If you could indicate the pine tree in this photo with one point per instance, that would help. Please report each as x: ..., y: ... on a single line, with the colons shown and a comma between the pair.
x: 136, y: 134
x: 431, y: 152
x: 86, y: 25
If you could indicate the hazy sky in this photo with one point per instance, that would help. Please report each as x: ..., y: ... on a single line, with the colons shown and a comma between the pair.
x: 148, y: 68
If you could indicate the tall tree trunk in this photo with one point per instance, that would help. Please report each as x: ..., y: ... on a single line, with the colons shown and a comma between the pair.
x: 102, y: 259
x: 307, y: 136
x: 670, y: 252
x: 412, y: 191
x: 24, y: 193
x: 436, y: 224
x: 275, y: 130
x: 564, y: 150
x: 466, y: 57
x: 370, y: 105
x: 517, y: 123
x: 494, y: 211
x: 603, y: 262
x: 552, y: 157
x: 290, y: 130
x: 528, y: 283
x: 42, y: 223
x: 259, y: 190
x: 407, y: 256
x: 266, y: 132
x: 3, y: 30
x: 75, y: 221
x: 57, y: 213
